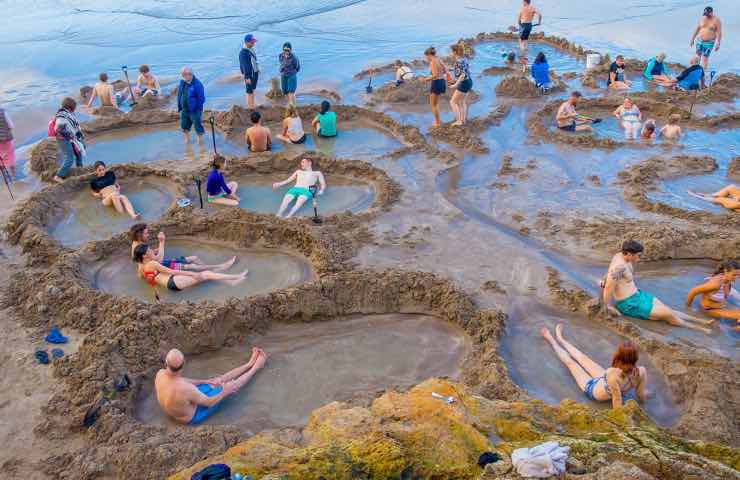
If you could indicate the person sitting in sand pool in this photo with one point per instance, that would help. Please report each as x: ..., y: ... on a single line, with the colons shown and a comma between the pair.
x: 655, y: 71
x: 220, y: 192
x: 672, y: 131
x: 139, y: 235
x: 106, y: 93
x: 438, y: 76
x: 292, y: 127
x: 630, y: 118
x: 648, y: 130
x: 717, y: 292
x: 463, y: 83
x: 190, y: 401
x: 304, y: 178
x: 568, y: 119
x: 403, y: 73
x: 510, y: 58
x: 541, y: 72
x: 105, y: 187
x: 147, y: 83
x: 598, y: 384
x: 692, y: 78
x: 631, y: 302
x: 258, y: 137
x: 617, y: 78
x: 325, y: 122
x: 728, y: 197
x: 156, y: 274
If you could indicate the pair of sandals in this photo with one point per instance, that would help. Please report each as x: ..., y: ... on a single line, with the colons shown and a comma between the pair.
x: 42, y: 356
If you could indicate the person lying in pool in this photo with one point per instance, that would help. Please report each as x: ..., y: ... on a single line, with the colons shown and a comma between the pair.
x: 597, y: 383
x: 105, y: 187
x: 632, y: 302
x: 190, y: 401
x: 728, y: 197
x: 155, y: 274
x: 139, y: 234
x: 304, y: 178
x: 717, y: 292
x: 220, y: 192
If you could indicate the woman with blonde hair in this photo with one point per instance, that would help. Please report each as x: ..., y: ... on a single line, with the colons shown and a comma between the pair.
x: 462, y: 85
x: 292, y: 127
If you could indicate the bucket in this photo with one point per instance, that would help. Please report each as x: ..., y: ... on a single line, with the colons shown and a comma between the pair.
x: 592, y: 60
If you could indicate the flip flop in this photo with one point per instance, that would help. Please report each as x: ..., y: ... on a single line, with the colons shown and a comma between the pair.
x: 183, y: 202
x: 122, y: 382
x: 42, y: 357
x: 57, y: 352
x: 55, y: 336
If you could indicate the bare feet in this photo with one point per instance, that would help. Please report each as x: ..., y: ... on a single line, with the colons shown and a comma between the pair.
x: 225, y: 266
x: 546, y: 333
x: 58, y: 179
x: 559, y: 332
x: 261, y: 360
x: 237, y: 281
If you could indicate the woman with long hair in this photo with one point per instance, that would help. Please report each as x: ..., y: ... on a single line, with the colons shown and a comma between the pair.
x: 438, y: 77
x: 462, y: 86
x: 717, y: 292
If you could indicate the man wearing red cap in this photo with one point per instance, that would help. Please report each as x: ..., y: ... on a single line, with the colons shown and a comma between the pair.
x: 249, y: 67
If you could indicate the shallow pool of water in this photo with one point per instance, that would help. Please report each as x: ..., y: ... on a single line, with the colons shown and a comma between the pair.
x: 674, y: 191
x: 269, y: 270
x: 84, y: 218
x: 312, y: 364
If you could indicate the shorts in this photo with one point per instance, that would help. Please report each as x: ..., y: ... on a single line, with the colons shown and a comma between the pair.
x: 252, y: 85
x: 300, y: 140
x: 465, y: 86
x: 152, y: 92
x: 568, y: 128
x: 175, y: 263
x: 203, y: 413
x: 589, y: 390
x: 300, y: 192
x: 192, y: 119
x: 289, y: 83
x: 212, y: 198
x: 704, y: 49
x: 524, y: 30
x: 438, y: 87
x: 639, y: 305
x: 7, y: 153
x: 171, y: 284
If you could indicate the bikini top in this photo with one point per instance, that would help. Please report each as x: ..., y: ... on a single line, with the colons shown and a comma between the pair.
x: 627, y: 387
x: 723, y: 292
x: 150, y: 277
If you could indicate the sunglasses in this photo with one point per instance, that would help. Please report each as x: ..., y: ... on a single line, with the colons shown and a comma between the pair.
x: 286, y: 50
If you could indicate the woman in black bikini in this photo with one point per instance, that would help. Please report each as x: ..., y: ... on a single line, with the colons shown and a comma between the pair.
x: 438, y: 78
x: 104, y: 186
x: 156, y: 274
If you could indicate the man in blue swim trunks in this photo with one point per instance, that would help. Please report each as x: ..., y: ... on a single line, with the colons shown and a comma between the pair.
x: 632, y: 302
x: 709, y: 33
x: 191, y: 401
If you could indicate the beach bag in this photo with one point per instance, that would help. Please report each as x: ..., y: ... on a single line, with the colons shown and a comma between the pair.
x: 51, y: 130
x: 217, y: 471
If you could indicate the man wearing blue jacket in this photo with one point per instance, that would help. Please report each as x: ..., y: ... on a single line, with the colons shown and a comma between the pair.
x: 191, y: 97
x: 249, y: 67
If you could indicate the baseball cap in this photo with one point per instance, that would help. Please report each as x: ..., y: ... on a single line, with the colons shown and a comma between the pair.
x: 249, y: 38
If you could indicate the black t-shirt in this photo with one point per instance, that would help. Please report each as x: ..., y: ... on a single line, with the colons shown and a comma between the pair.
x: 99, y: 183
x: 619, y: 70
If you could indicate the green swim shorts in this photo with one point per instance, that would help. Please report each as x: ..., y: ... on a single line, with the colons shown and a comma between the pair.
x: 639, y: 305
x: 212, y: 198
x: 300, y: 191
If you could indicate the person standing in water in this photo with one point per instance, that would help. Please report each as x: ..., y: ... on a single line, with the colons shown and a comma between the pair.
x: 438, y: 78
x: 191, y: 97
x: 249, y: 67
x: 709, y: 33
x: 7, y: 147
x: 717, y: 292
x: 304, y: 178
x: 632, y: 302
x: 105, y: 187
x: 289, y: 68
x: 524, y: 20
x: 630, y: 117
x: 462, y: 86
x: 597, y: 383
x: 220, y: 192
x: 66, y: 128
x: 191, y: 401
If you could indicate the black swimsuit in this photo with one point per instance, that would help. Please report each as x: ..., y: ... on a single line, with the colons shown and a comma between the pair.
x: 99, y: 183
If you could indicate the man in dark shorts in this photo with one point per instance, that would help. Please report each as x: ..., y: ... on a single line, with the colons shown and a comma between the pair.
x: 526, y: 15
x: 617, y: 78
x: 249, y: 67
x: 567, y: 117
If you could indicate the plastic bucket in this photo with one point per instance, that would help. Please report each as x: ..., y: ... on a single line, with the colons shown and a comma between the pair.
x: 592, y: 60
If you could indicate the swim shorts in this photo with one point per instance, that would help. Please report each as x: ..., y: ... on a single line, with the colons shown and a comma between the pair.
x: 590, y: 385
x: 438, y: 87
x: 175, y: 263
x: 153, y: 91
x: 465, y: 86
x: 568, y: 128
x: 300, y: 192
x: 639, y: 305
x: 212, y: 198
x: 252, y: 86
x: 524, y: 30
x: 289, y: 83
x: 704, y: 49
x: 203, y: 413
x: 171, y: 284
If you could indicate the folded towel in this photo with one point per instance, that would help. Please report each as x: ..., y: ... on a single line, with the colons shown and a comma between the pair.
x: 542, y: 461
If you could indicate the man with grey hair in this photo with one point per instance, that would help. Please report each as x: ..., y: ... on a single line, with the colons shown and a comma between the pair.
x: 192, y: 401
x: 191, y: 97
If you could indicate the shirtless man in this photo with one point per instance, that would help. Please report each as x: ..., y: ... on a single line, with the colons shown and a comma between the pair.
x: 259, y: 138
x: 304, y: 178
x: 139, y: 233
x: 568, y: 119
x: 147, y: 83
x: 709, y: 31
x: 526, y: 15
x: 191, y: 401
x: 632, y: 302
x: 106, y: 93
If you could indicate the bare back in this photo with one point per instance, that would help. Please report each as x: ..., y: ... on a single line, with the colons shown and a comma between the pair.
x: 105, y: 94
x: 527, y: 13
x: 175, y: 396
x: 259, y: 138
x: 622, y: 276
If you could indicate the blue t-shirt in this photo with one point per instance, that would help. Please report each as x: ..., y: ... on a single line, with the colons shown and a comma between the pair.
x: 541, y: 73
x: 690, y: 79
x: 216, y: 184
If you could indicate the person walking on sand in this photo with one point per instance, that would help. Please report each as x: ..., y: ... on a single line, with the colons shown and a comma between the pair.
x: 630, y: 117
x: 249, y: 67
x: 258, y: 137
x: 568, y: 119
x: 289, y: 68
x: 462, y: 86
x: 632, y: 302
x: 65, y: 127
x: 709, y: 33
x: 524, y: 20
x: 717, y: 292
x: 191, y: 401
x: 304, y: 178
x: 105, y: 187
x: 7, y: 147
x: 438, y: 78
x: 191, y: 97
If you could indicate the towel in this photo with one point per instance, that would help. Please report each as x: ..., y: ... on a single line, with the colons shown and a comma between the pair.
x: 542, y: 461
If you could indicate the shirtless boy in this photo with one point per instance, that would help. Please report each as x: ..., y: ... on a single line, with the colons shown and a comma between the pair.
x: 191, y: 401
x: 632, y: 302
x: 709, y: 31
x: 526, y: 15
x: 304, y: 178
x: 259, y: 138
x: 147, y: 83
x: 672, y: 131
x: 106, y: 93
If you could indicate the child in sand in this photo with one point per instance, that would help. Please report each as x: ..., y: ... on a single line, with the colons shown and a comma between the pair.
x: 672, y: 131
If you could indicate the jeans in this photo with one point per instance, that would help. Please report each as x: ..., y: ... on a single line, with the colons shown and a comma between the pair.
x: 192, y: 119
x: 68, y: 157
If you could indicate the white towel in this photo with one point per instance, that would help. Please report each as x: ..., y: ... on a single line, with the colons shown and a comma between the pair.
x: 542, y: 461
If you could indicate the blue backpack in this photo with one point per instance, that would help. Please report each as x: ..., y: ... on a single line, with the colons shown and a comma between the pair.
x: 218, y: 471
